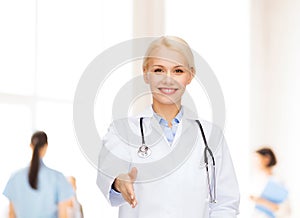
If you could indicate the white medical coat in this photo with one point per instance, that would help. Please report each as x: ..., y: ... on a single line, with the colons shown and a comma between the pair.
x: 172, y: 181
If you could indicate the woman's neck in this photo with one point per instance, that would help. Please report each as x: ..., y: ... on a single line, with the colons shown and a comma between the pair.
x: 268, y: 171
x: 166, y: 111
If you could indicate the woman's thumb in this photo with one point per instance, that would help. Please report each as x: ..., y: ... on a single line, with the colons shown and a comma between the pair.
x: 133, y: 173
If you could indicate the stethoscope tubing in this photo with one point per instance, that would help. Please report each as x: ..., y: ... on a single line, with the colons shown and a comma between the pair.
x: 212, y: 193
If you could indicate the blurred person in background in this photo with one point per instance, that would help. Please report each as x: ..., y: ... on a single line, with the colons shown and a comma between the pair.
x: 36, y: 190
x: 74, y: 209
x: 271, y: 197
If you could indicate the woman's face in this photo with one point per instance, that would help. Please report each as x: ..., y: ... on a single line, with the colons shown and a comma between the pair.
x: 168, y: 75
x: 262, y: 161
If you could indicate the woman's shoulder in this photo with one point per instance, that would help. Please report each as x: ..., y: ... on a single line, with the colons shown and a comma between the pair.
x: 51, y: 172
x: 277, y: 178
x: 16, y: 178
x: 22, y: 172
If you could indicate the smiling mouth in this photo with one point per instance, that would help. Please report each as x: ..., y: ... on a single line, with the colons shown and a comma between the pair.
x: 168, y: 91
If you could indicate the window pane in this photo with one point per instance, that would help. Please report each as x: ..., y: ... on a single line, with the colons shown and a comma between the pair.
x: 67, y: 44
x: 56, y: 120
x: 17, y: 43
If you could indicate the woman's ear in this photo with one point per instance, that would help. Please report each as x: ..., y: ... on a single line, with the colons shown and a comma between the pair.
x: 192, y: 75
x: 146, y: 75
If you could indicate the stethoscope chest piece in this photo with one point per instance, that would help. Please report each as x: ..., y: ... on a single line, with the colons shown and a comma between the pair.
x: 144, y: 151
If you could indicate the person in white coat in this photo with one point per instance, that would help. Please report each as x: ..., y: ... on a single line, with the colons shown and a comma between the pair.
x: 158, y: 164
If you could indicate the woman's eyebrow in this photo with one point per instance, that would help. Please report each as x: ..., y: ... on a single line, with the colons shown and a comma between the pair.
x: 157, y: 65
x: 178, y: 66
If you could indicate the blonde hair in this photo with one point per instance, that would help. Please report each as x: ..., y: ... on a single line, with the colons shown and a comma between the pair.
x: 171, y: 42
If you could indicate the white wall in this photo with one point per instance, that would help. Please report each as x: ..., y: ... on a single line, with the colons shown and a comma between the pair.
x: 275, y: 90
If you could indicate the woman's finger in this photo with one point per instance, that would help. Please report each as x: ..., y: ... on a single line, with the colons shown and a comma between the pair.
x: 132, y: 174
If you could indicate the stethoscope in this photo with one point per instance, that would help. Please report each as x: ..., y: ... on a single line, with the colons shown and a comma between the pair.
x: 144, y: 151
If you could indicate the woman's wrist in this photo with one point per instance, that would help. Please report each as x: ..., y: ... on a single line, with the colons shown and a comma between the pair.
x: 114, y: 186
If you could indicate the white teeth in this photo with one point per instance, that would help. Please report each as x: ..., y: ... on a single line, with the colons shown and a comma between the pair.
x: 168, y: 90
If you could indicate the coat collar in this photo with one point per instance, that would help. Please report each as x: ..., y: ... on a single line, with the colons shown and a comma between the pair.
x: 188, y: 116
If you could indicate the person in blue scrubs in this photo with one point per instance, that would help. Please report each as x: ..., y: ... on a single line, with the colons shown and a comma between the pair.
x: 38, y: 191
x: 272, y: 196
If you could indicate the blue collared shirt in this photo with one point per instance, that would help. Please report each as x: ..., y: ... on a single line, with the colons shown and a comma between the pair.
x: 169, y: 131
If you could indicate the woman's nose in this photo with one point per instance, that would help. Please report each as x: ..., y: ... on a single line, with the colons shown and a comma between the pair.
x: 168, y: 78
x: 169, y: 73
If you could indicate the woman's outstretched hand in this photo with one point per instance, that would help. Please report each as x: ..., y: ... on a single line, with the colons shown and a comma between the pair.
x: 124, y: 184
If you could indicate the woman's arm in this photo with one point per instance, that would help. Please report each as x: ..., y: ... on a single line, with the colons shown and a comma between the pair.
x: 227, y: 189
x: 113, y: 160
x: 62, y: 208
x: 11, y: 212
x: 264, y: 202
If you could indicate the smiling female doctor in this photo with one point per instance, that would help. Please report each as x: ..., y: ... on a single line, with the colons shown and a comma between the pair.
x: 165, y: 162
